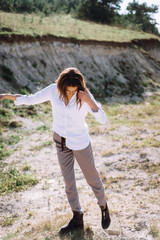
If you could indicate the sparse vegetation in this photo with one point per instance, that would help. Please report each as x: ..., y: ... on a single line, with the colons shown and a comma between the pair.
x: 8, y: 221
x: 131, y: 128
x: 39, y: 147
x: 134, y: 115
x: 154, y: 231
x: 26, y: 167
x: 5, y: 151
x: 109, y: 152
x: 43, y: 128
x: 13, y: 180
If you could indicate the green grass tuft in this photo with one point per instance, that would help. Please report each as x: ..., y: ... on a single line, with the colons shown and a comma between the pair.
x: 13, y: 180
x: 154, y: 231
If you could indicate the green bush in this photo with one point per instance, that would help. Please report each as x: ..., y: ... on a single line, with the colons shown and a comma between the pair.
x: 7, y: 73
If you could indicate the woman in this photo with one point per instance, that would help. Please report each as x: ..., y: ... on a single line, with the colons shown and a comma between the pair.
x: 71, y: 101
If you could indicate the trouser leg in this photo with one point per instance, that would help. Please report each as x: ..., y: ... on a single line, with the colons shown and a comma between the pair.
x: 66, y: 161
x: 85, y: 160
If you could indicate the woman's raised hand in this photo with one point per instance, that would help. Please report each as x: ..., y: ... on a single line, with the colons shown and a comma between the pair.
x: 84, y: 95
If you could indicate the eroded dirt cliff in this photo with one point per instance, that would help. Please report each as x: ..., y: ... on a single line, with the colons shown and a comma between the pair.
x: 110, y: 68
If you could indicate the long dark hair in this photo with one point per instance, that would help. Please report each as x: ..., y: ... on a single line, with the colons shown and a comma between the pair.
x: 70, y: 77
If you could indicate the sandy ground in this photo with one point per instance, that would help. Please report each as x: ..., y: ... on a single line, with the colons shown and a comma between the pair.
x: 133, y: 192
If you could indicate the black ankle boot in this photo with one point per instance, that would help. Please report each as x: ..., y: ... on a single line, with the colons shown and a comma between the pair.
x: 105, y: 217
x: 75, y: 223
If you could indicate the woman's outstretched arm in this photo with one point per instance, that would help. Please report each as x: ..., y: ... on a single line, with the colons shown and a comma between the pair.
x: 38, y: 97
x: 9, y: 96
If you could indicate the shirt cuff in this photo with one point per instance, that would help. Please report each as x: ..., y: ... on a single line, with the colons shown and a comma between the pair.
x: 100, y: 116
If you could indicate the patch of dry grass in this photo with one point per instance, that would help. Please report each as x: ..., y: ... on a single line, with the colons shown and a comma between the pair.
x: 42, y: 145
x: 135, y: 115
x: 109, y: 152
x: 155, y: 231
x: 139, y: 123
x: 111, y: 182
x: 141, y: 143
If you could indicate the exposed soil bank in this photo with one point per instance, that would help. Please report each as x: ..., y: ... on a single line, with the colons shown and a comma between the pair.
x: 49, y: 38
x: 110, y: 68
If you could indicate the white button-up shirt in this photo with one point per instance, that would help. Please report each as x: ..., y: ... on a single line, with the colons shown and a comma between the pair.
x: 69, y: 121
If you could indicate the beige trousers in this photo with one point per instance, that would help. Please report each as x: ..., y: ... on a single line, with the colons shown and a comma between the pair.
x: 85, y: 160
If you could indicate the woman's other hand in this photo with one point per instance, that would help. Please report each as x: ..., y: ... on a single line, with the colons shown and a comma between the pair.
x: 2, y: 96
x: 9, y: 96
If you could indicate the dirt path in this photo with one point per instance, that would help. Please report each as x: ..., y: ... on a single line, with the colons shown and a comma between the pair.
x: 130, y: 178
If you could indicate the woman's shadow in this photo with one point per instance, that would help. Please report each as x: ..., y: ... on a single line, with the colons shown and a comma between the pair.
x: 78, y: 235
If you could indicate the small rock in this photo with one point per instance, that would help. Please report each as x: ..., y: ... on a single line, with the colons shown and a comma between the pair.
x: 143, y: 155
x: 139, y: 226
x: 16, y: 124
x: 113, y: 232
